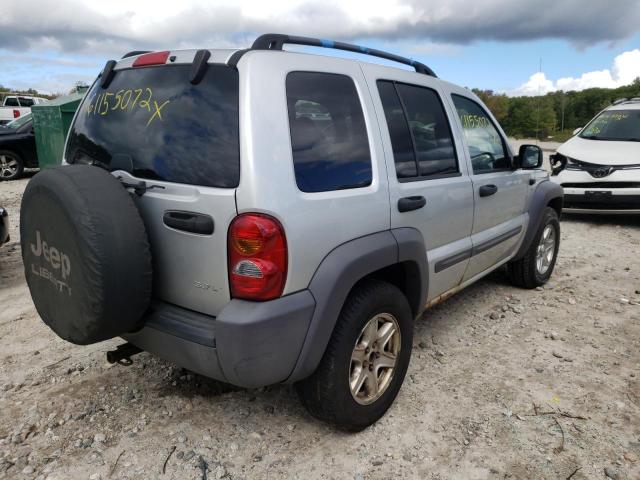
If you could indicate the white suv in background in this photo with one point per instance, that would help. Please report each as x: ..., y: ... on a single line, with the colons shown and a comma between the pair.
x: 599, y: 168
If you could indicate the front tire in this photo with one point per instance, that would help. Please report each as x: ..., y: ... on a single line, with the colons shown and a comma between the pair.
x: 11, y: 165
x: 536, y: 267
x: 366, y: 359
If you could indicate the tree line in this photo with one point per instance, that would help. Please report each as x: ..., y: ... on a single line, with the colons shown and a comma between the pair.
x: 4, y: 91
x: 555, y: 114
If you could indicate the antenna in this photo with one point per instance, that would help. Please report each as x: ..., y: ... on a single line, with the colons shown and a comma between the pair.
x: 538, y: 106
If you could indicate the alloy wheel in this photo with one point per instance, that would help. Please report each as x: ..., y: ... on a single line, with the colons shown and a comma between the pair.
x: 374, y: 358
x: 546, y: 249
x: 8, y: 166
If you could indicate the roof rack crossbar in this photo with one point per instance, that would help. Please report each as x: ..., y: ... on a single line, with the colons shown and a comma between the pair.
x: 276, y: 41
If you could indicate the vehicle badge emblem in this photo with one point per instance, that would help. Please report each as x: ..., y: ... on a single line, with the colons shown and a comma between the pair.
x: 601, y: 172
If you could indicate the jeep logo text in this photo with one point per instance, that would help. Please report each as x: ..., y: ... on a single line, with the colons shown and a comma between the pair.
x: 52, y: 255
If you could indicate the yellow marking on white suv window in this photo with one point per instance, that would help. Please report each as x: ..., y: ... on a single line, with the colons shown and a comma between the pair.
x: 619, y: 116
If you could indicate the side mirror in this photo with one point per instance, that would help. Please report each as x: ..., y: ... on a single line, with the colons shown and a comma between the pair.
x: 577, y: 131
x: 529, y: 157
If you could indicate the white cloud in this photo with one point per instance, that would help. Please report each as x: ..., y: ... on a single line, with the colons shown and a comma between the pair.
x: 538, y: 84
x: 625, y: 69
x: 120, y: 25
x: 99, y: 29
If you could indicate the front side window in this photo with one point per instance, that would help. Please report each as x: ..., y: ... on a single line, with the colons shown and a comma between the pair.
x: 486, y: 148
x: 420, y: 134
x: 329, y: 139
x: 615, y: 125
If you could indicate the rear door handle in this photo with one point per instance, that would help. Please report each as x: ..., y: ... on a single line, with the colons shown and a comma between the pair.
x: 408, y: 204
x: 487, y: 190
x: 188, y: 221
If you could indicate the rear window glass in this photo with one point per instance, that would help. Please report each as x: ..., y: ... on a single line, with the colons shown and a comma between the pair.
x: 154, y: 124
x: 328, y: 134
x: 11, y: 102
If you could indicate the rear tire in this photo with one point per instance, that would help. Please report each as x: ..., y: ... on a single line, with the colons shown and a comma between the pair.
x: 355, y: 356
x: 535, y: 268
x: 11, y: 165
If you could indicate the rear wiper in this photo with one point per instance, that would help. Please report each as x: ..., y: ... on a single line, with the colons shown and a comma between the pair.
x: 139, y: 188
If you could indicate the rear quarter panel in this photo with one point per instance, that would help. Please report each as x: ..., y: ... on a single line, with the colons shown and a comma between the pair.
x: 314, y: 223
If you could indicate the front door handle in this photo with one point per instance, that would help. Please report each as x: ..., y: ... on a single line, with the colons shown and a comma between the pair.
x: 408, y: 204
x: 188, y: 221
x: 487, y: 190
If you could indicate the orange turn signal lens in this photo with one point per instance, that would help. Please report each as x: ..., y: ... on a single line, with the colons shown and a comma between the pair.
x: 247, y: 246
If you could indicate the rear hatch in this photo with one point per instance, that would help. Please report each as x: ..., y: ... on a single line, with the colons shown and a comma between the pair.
x: 178, y: 143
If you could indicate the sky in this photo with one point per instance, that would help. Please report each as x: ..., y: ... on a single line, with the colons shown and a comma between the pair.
x: 519, y: 47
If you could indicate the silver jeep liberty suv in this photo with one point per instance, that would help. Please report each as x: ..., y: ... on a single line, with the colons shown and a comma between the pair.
x: 262, y: 216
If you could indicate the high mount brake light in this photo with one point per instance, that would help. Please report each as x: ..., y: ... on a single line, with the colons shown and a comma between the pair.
x: 153, y: 58
x: 257, y: 254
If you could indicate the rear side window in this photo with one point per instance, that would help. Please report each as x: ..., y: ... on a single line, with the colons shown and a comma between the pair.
x: 25, y: 102
x: 153, y: 123
x: 329, y: 139
x: 11, y: 102
x: 403, y: 153
x: 420, y: 133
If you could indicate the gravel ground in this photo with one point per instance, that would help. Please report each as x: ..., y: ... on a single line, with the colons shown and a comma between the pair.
x: 503, y: 383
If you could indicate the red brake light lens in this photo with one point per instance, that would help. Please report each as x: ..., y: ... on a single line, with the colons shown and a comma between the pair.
x: 16, y: 113
x: 154, y: 58
x: 257, y: 254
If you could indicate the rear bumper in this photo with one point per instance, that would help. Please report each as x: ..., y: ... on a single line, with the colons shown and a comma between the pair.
x: 250, y: 344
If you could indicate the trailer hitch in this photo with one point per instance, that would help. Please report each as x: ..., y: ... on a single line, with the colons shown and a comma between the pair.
x: 123, y: 353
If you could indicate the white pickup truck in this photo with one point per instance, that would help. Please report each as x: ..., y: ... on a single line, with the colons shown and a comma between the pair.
x: 14, y: 106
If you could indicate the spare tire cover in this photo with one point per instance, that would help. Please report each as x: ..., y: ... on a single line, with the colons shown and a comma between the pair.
x: 86, y: 253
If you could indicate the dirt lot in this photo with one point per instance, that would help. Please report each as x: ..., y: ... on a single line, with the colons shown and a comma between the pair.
x: 503, y: 383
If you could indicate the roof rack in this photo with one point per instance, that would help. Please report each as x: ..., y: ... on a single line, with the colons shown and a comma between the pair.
x: 620, y: 101
x: 275, y: 41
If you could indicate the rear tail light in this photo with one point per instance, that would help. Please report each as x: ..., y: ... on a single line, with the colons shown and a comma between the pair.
x: 16, y: 113
x: 257, y: 251
x: 153, y: 58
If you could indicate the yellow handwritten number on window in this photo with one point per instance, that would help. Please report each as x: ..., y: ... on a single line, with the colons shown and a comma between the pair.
x: 125, y: 101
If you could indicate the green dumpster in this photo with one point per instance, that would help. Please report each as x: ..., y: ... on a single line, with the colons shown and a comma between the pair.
x: 51, y: 122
